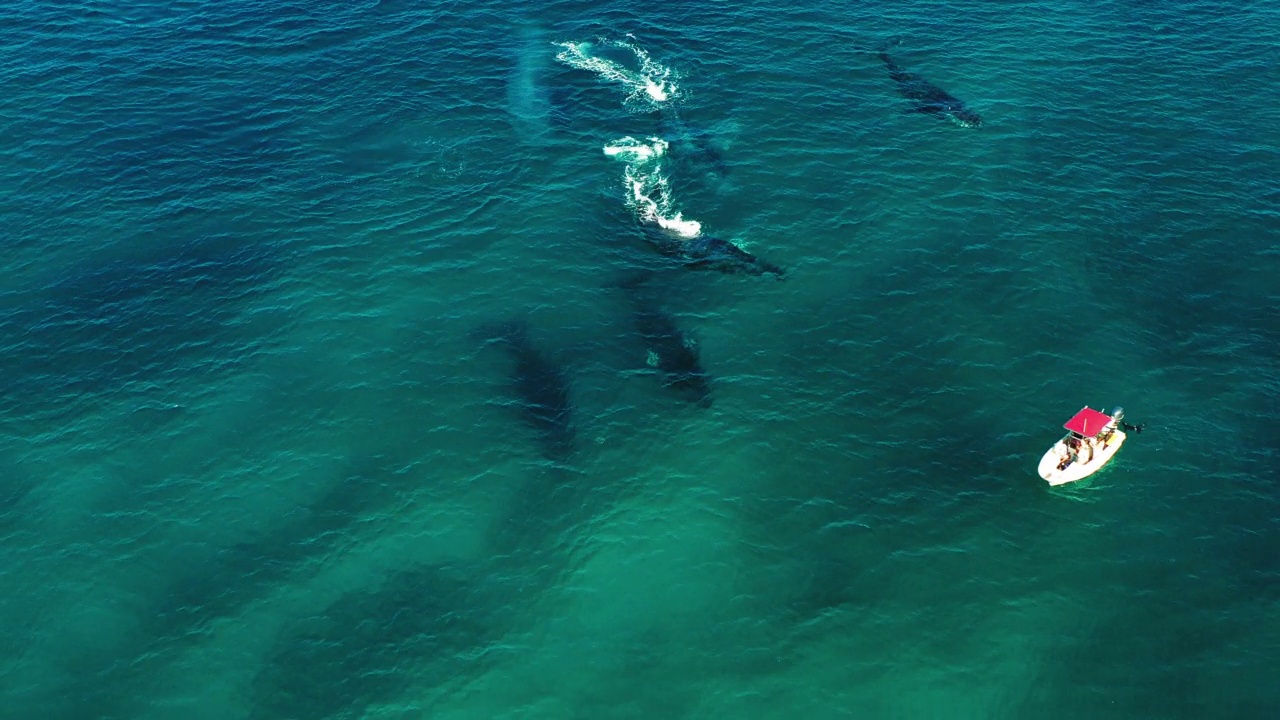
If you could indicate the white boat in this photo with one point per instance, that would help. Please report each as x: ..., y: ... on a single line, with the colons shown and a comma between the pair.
x: 1092, y: 439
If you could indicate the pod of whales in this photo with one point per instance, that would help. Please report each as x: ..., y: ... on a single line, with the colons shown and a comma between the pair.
x: 540, y: 384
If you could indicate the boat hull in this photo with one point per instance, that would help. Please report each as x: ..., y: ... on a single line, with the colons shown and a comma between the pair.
x: 1078, y: 470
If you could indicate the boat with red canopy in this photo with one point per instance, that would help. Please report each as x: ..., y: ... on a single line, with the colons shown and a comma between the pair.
x: 1092, y: 439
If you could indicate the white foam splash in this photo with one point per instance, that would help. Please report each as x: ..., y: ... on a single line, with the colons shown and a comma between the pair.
x: 648, y: 191
x: 628, y: 148
x: 649, y: 85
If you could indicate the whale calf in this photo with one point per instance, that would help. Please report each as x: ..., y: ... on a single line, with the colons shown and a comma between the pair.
x: 695, y: 145
x: 930, y: 98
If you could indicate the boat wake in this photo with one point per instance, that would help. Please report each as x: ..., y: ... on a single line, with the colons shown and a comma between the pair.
x: 650, y: 85
x: 648, y: 191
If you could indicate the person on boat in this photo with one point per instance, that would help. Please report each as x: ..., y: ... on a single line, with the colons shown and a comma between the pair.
x: 1106, y: 436
x: 1068, y: 453
x: 1066, y: 460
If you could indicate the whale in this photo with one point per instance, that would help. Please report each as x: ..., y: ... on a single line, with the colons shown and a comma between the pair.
x: 693, y: 144
x: 707, y: 252
x: 929, y: 98
x: 666, y: 228
x: 671, y: 353
x: 541, y: 387
x: 712, y: 253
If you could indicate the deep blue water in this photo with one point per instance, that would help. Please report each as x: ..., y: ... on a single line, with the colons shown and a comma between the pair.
x: 267, y: 454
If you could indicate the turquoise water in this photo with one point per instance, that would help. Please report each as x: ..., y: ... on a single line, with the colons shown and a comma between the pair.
x: 260, y: 459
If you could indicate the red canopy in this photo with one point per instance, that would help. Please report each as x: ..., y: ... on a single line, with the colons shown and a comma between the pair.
x: 1088, y: 422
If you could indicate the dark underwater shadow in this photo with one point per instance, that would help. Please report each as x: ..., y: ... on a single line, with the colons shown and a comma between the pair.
x: 160, y: 318
x: 1167, y: 633
x: 229, y: 579
x: 552, y: 495
x: 160, y: 321
x: 242, y: 573
x: 539, y: 385
x: 433, y: 624
x: 414, y: 629
x: 400, y: 615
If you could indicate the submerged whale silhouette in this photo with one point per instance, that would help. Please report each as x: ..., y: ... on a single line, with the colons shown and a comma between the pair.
x: 693, y: 144
x: 670, y: 351
x: 930, y: 98
x: 541, y: 387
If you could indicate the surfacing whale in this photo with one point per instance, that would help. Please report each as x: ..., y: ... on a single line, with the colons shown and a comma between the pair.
x: 707, y: 252
x: 930, y: 98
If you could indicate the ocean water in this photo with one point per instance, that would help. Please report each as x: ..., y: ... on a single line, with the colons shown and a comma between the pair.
x: 266, y: 455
